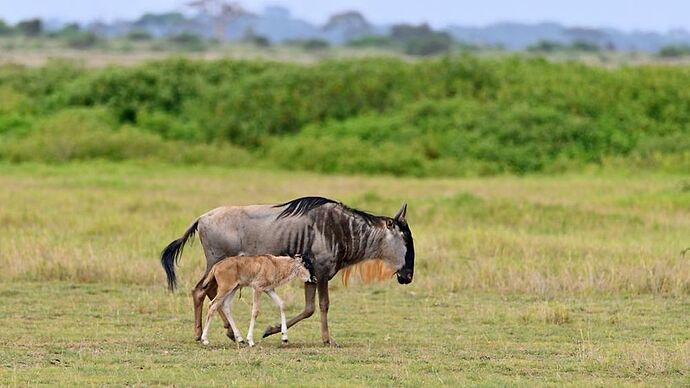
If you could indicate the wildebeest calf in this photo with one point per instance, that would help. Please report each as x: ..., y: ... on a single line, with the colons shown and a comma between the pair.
x: 262, y: 273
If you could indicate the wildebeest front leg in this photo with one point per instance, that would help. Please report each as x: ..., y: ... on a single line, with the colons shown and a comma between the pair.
x: 198, y: 297
x: 323, y: 307
x: 309, y: 299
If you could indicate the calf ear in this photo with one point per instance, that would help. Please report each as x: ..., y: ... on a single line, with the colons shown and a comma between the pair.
x: 401, y: 213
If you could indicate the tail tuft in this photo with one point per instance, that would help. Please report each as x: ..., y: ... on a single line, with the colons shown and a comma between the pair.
x: 171, y: 255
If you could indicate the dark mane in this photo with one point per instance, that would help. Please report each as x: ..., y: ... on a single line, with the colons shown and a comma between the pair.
x: 370, y: 219
x: 301, y: 206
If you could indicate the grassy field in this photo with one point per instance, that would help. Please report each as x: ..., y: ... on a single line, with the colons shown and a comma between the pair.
x: 572, y: 279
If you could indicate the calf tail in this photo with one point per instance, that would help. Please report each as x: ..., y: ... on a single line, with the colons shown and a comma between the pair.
x: 209, y: 278
x: 171, y: 255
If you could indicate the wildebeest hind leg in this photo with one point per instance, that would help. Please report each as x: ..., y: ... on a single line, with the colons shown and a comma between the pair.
x: 309, y: 299
x: 198, y: 296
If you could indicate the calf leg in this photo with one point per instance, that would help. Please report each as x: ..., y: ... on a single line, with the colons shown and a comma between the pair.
x: 281, y: 306
x: 309, y: 298
x: 323, y: 306
x: 227, y: 308
x: 198, y: 294
x: 216, y: 303
x: 255, y: 313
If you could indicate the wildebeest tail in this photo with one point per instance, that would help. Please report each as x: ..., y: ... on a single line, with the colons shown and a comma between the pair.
x: 171, y: 254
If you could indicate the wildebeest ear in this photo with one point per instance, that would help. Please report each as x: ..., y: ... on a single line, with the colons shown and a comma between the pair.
x: 401, y: 213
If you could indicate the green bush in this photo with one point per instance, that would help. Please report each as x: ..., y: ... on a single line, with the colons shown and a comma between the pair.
x: 78, y: 134
x: 456, y: 115
x: 674, y: 51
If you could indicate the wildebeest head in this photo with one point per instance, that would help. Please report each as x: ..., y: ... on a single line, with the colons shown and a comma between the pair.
x: 399, y: 246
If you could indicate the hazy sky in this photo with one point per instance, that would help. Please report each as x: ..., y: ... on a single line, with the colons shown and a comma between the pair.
x: 659, y: 15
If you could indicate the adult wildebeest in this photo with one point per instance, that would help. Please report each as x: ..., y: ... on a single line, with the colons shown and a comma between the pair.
x: 329, y: 233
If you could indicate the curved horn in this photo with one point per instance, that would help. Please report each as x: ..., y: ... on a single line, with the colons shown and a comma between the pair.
x: 401, y: 213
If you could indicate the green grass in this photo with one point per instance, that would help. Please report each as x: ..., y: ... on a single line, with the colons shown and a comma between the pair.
x: 572, y: 279
x: 79, y: 334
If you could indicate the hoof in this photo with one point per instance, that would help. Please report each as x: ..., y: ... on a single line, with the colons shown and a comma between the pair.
x: 285, y: 342
x: 269, y: 331
x: 331, y: 343
x: 230, y: 335
x: 198, y: 338
x: 205, y: 342
x: 252, y: 344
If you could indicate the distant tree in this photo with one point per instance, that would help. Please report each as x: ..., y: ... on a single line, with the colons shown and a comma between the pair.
x: 251, y: 37
x: 82, y: 40
x: 222, y: 12
x: 75, y: 37
x: 466, y: 46
x: 585, y: 34
x: 371, y: 41
x: 188, y: 41
x: 138, y: 35
x: 261, y: 41
x: 421, y: 39
x: 351, y: 23
x: 546, y: 46
x: 404, y: 32
x: 586, y: 46
x: 674, y: 51
x: 315, y: 44
x: 163, y: 18
x: 431, y: 44
x: 353, y: 19
x: 66, y: 31
x: 5, y: 29
x: 70, y: 28
x: 309, y: 44
x: 31, y: 27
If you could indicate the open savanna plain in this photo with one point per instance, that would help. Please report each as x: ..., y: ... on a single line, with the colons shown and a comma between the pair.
x: 576, y: 279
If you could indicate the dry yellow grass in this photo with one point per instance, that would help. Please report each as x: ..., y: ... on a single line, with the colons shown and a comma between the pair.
x: 543, y: 235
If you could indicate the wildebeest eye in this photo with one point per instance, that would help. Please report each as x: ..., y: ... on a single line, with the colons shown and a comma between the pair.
x: 389, y: 224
